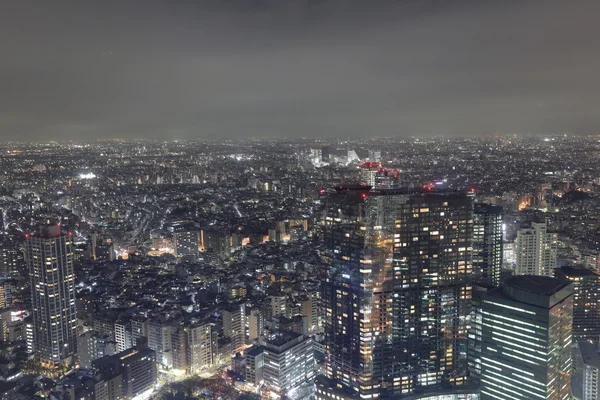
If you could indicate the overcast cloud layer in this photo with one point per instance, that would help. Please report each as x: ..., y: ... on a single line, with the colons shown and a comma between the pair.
x: 291, y: 68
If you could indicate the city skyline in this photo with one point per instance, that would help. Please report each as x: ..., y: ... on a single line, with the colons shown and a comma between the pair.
x: 300, y: 200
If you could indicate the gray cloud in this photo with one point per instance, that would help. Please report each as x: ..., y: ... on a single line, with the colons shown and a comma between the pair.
x: 160, y: 69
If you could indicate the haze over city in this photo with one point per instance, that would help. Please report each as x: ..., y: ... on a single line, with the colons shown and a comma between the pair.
x: 238, y: 69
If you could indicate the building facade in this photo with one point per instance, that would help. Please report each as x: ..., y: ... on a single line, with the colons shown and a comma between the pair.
x: 586, y: 372
x: 487, y: 244
x: 200, y: 347
x: 234, y: 327
x: 93, y: 345
x: 398, y: 290
x: 535, y: 251
x: 49, y: 258
x: 186, y: 239
x: 586, y: 301
x: 136, y: 368
x: 527, y: 340
x: 288, y: 362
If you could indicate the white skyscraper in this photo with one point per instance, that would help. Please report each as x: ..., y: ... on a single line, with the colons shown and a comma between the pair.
x: 49, y: 258
x: 535, y: 251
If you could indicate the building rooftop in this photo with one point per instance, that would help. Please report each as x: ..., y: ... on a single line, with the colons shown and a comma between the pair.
x: 589, y: 353
x: 575, y: 271
x: 539, y: 285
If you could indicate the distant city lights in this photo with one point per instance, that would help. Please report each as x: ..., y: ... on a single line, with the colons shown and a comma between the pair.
x: 89, y: 175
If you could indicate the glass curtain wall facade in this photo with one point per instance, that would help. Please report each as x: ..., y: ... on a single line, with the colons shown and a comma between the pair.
x: 398, y: 290
x: 526, y: 339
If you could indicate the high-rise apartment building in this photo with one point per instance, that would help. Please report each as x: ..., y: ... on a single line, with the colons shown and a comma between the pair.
x: 200, y: 347
x: 49, y: 258
x: 160, y: 340
x: 487, y: 244
x: 398, y: 290
x: 535, y: 250
x: 526, y: 339
x: 586, y: 301
x: 234, y: 327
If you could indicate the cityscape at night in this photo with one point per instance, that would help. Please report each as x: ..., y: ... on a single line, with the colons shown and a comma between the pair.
x: 420, y: 268
x: 299, y: 200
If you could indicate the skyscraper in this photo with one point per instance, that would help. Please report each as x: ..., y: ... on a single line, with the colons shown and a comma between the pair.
x: 535, y: 251
x: 487, y: 244
x: 586, y: 301
x: 398, y: 291
x: 586, y: 372
x: 49, y: 258
x: 526, y: 339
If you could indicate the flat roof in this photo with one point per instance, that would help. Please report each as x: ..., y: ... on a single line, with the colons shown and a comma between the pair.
x: 540, y: 285
x: 575, y: 271
x: 589, y: 353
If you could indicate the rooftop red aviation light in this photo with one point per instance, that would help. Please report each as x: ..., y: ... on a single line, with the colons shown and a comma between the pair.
x: 370, y: 164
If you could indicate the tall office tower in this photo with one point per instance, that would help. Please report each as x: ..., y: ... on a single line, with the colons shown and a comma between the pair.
x: 487, y: 244
x: 234, y: 327
x: 288, y: 362
x: 398, y: 290
x: 586, y: 301
x: 585, y: 384
x: 186, y: 239
x: 49, y: 258
x: 526, y: 339
x: 535, y: 250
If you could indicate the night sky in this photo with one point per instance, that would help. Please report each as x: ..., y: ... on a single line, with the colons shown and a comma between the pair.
x: 293, y: 68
